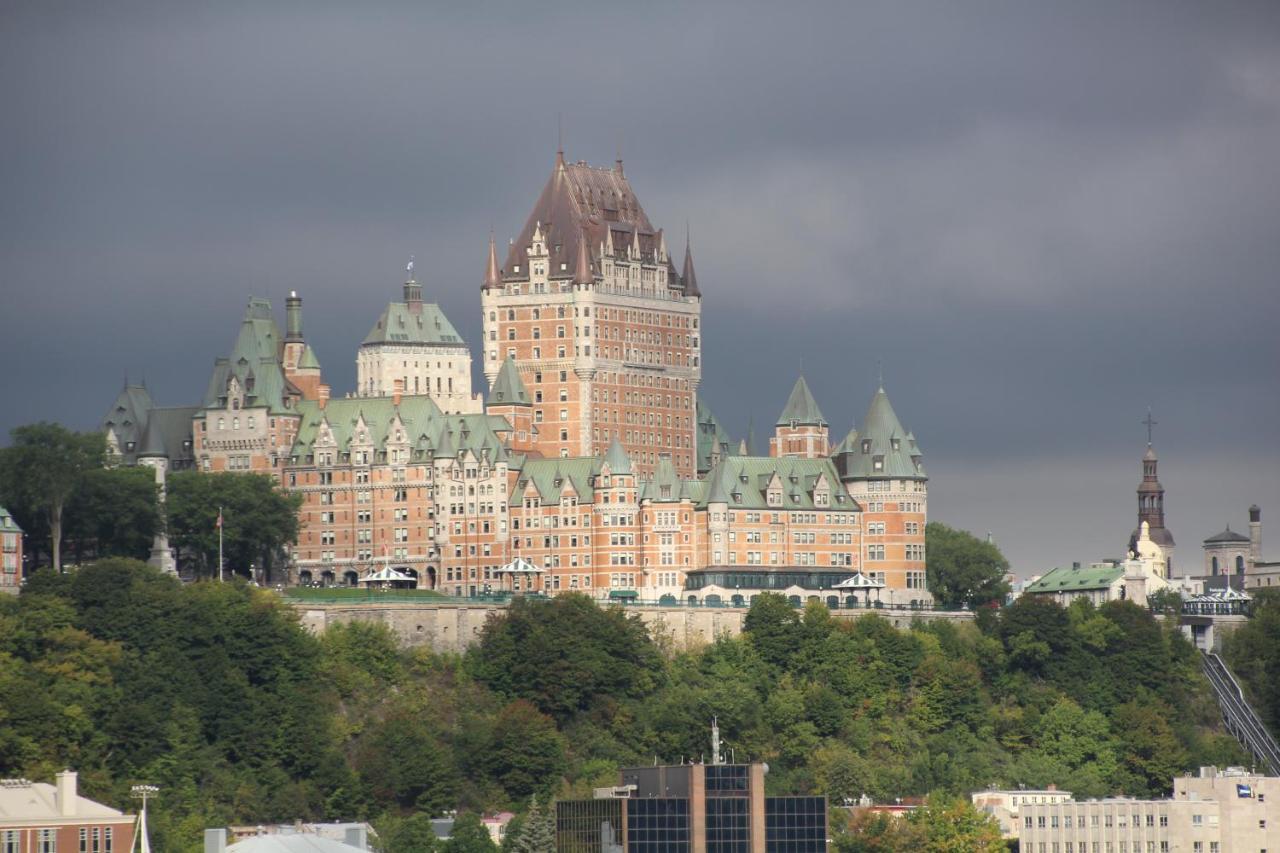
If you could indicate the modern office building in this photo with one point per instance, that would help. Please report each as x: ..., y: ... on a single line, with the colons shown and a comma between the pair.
x: 698, y: 808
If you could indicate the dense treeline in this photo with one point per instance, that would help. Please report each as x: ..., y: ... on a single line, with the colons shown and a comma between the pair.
x: 1253, y: 653
x: 214, y: 692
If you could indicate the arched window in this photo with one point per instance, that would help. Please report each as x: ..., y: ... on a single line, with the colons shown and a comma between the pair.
x: 1214, y: 565
x: 1239, y: 564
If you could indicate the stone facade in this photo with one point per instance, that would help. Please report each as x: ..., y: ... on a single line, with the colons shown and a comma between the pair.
x: 10, y: 553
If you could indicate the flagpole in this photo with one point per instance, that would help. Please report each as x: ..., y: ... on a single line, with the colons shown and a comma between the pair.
x: 219, y: 544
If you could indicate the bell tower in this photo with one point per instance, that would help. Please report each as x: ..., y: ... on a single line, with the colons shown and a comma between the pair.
x: 1151, y: 501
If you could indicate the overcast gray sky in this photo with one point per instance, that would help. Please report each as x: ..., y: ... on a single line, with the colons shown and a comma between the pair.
x: 1042, y: 217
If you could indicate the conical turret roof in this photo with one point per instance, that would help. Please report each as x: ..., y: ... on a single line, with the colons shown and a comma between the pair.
x: 801, y: 408
x: 616, y: 458
x: 883, y: 449
x: 688, y: 277
x: 508, y: 388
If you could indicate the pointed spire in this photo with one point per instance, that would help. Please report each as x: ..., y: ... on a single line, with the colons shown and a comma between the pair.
x: 582, y: 274
x: 635, y: 242
x: 801, y: 407
x: 492, y: 277
x: 688, y: 277
x: 508, y: 389
x: 616, y: 458
x: 608, y: 240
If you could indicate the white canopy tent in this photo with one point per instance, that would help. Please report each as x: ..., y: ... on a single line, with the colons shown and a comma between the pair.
x: 388, y: 575
x: 860, y: 582
x: 520, y: 567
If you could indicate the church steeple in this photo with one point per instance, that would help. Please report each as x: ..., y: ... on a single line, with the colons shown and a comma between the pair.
x: 492, y: 277
x: 1151, y: 499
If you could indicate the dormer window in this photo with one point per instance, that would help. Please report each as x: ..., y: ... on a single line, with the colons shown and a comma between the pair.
x: 896, y: 444
x: 129, y: 445
x: 877, y: 463
x: 866, y: 445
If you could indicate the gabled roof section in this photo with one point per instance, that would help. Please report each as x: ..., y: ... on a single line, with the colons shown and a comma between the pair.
x: 155, y: 431
x: 801, y: 408
x: 399, y: 324
x: 549, y: 478
x: 666, y: 485
x: 308, y: 360
x: 417, y: 420
x: 744, y: 482
x: 255, y: 363
x: 883, y: 449
x: 7, y: 523
x: 508, y: 388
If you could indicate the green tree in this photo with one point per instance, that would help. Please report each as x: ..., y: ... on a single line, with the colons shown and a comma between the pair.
x: 1253, y: 653
x: 42, y: 468
x: 1167, y: 601
x: 565, y: 653
x: 527, y: 754
x: 536, y: 833
x: 773, y: 627
x: 963, y: 571
x: 258, y: 519
x: 955, y: 826
x: 1151, y: 753
x: 469, y: 836
x: 413, y: 834
x: 114, y: 513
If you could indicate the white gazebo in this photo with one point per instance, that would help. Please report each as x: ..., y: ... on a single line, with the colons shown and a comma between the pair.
x: 520, y: 567
x: 388, y: 576
x: 860, y: 582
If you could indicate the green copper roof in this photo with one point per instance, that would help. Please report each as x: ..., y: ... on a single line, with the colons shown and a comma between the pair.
x: 255, y: 363
x: 159, y: 430
x: 508, y: 388
x: 551, y: 477
x: 7, y: 524
x: 1076, y: 580
x: 617, y: 459
x: 666, y: 485
x: 744, y: 482
x: 428, y: 433
x: 400, y: 324
x: 883, y: 449
x: 801, y: 408
x: 308, y: 360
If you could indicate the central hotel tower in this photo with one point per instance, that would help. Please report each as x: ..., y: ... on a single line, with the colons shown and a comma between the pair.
x: 603, y: 329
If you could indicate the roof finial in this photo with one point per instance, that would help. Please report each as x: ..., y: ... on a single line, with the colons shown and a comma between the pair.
x: 409, y: 268
x: 880, y: 373
x: 618, y: 162
x: 1150, y: 422
x: 560, y: 139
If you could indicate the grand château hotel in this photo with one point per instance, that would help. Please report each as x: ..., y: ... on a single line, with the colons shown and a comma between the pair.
x: 589, y: 458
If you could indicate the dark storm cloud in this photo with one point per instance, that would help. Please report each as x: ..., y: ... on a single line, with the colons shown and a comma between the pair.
x: 1041, y: 218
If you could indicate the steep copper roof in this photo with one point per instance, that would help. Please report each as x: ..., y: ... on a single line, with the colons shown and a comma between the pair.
x: 579, y: 198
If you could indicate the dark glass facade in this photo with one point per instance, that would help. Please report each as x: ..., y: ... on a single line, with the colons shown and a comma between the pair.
x: 776, y: 579
x: 589, y: 826
x: 658, y: 825
x: 795, y: 824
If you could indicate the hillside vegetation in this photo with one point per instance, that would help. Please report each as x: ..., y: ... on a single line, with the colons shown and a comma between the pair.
x: 216, y: 694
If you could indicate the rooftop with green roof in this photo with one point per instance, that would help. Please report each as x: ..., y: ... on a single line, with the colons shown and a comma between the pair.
x: 801, y: 408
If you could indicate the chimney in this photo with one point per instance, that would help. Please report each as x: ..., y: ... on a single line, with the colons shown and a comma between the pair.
x: 215, y: 840
x: 322, y: 396
x: 1255, y: 534
x: 357, y: 837
x: 293, y: 317
x: 66, y: 788
x: 397, y: 391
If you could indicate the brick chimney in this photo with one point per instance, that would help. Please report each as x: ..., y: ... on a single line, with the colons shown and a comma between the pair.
x: 397, y: 391
x: 66, y: 793
x: 322, y: 397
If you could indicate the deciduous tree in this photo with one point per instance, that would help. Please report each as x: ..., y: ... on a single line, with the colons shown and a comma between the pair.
x: 962, y: 569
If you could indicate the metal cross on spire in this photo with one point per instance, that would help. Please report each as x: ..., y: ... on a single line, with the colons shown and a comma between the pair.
x: 1150, y: 422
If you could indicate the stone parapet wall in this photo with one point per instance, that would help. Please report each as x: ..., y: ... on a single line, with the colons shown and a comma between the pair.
x: 452, y: 627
